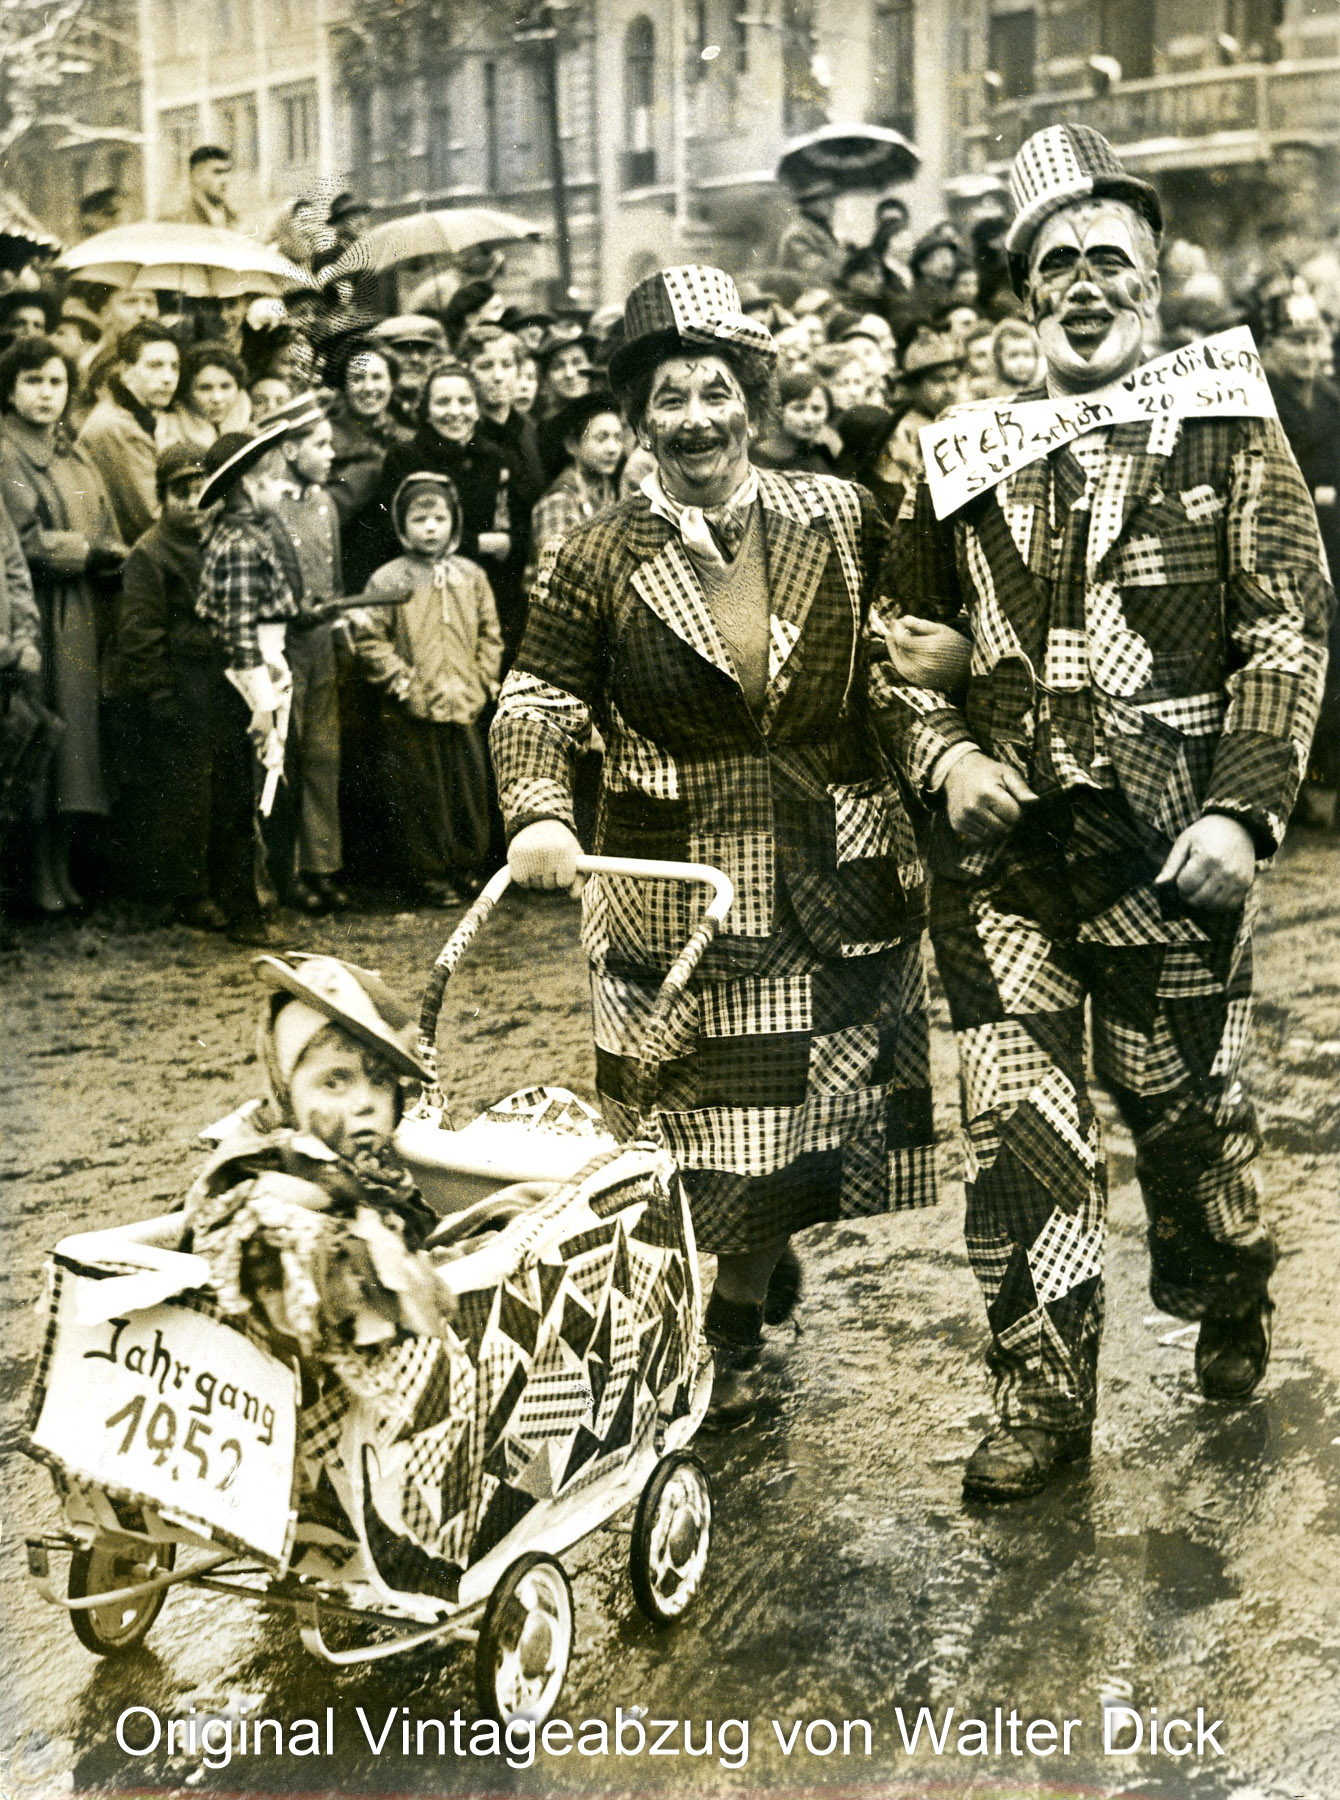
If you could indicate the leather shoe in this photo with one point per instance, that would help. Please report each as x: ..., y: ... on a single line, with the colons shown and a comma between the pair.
x: 303, y: 898
x: 329, y: 892
x: 784, y: 1288
x: 201, y: 915
x: 1233, y: 1349
x: 255, y: 930
x: 1014, y: 1461
x: 733, y: 1328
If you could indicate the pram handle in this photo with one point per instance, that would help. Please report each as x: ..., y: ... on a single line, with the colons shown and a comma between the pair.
x: 676, y: 980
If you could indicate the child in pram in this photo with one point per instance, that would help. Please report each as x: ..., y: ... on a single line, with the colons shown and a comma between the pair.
x: 305, y: 1207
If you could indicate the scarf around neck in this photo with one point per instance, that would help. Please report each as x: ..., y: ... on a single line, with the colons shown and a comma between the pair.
x: 713, y: 534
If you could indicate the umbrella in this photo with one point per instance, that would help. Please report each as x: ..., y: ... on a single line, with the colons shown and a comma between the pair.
x: 201, y: 261
x: 443, y: 233
x: 21, y: 237
x: 853, y: 156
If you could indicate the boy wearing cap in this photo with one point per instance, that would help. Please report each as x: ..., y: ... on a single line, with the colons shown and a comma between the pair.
x: 1148, y: 606
x: 190, y: 837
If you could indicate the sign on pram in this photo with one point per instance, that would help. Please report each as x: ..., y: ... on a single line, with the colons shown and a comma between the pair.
x: 171, y: 1406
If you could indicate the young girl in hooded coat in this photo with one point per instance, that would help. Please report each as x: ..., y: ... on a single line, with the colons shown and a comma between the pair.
x: 435, y: 651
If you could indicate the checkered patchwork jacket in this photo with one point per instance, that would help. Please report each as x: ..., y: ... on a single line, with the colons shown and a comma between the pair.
x: 621, y: 635
x: 1188, y: 627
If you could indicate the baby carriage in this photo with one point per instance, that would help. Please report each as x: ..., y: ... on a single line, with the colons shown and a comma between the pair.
x: 426, y: 1494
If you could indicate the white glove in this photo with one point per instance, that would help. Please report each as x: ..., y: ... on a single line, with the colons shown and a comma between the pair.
x: 544, y: 855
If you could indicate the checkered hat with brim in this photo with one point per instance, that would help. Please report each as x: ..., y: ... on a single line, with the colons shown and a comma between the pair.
x: 237, y: 453
x: 353, y: 998
x: 1054, y: 168
x: 693, y: 306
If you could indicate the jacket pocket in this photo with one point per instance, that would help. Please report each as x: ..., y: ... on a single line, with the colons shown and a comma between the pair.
x: 1162, y: 755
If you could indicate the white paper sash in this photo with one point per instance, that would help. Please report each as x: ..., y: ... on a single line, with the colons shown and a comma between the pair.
x: 976, y: 446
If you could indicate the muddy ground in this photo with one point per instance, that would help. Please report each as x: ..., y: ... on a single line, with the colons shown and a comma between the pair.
x: 1193, y: 1567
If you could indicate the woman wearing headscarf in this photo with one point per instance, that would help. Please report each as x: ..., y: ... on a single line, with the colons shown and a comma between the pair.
x: 714, y: 628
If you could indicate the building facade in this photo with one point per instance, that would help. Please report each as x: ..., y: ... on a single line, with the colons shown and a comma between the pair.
x: 670, y: 116
x: 665, y: 117
x: 256, y: 76
x: 1231, y: 106
x: 87, y: 129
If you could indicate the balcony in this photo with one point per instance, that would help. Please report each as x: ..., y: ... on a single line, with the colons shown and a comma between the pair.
x: 1184, y: 121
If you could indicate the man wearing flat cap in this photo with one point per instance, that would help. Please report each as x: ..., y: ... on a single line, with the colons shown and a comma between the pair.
x: 1148, y: 604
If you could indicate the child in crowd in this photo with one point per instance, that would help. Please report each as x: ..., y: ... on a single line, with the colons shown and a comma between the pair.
x: 248, y: 595
x: 1018, y: 356
x: 845, y: 376
x: 307, y: 515
x: 796, y: 440
x: 305, y: 1210
x: 268, y: 395
x: 437, y: 659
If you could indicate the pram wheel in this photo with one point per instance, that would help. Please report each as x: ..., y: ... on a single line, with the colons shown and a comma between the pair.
x: 671, y: 1537
x: 108, y: 1564
x: 525, y: 1641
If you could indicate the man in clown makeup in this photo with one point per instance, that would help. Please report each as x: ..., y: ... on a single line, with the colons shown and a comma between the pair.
x: 1148, y: 604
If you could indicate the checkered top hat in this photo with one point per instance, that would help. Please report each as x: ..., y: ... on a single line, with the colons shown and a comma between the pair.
x: 678, y: 309
x: 1059, y: 165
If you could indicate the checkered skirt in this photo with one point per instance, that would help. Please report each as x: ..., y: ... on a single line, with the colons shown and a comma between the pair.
x: 793, y: 1095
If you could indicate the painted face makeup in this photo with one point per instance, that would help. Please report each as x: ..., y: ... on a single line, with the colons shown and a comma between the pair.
x: 343, y: 1096
x: 697, y: 421
x: 1092, y: 286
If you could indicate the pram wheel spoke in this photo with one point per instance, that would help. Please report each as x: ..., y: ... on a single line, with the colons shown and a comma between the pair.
x: 671, y: 1537
x: 525, y: 1641
x: 104, y: 1567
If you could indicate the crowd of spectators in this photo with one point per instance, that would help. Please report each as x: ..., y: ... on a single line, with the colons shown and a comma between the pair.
x: 416, y: 467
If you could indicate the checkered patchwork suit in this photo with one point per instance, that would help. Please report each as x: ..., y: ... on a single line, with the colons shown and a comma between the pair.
x: 798, y: 1085
x: 1148, y: 614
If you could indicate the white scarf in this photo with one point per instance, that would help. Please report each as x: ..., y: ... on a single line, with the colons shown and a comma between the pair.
x: 704, y: 529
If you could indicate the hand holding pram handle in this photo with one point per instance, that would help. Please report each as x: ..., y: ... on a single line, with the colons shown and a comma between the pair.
x: 676, y: 980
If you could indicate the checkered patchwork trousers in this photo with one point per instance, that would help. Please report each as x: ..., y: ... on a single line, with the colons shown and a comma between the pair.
x: 1066, y: 912
x: 793, y: 1095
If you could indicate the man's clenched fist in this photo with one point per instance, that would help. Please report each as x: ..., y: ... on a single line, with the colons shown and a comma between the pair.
x: 984, y: 798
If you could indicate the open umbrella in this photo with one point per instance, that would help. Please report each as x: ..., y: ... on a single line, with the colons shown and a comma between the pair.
x: 853, y: 156
x: 21, y: 237
x: 446, y: 232
x: 201, y: 261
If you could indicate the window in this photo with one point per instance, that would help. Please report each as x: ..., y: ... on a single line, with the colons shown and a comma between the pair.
x: 401, y: 120
x: 639, y: 101
x: 179, y: 133
x: 441, y: 151
x: 297, y: 125
x: 1127, y: 32
x: 892, y: 50
x: 1255, y: 24
x: 237, y: 127
x: 361, y: 134
x: 225, y: 21
x: 804, y: 92
x: 1012, y: 51
x: 492, y: 159
x: 741, y: 20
